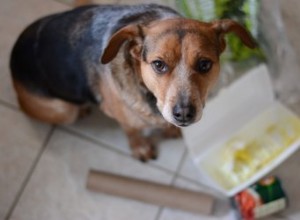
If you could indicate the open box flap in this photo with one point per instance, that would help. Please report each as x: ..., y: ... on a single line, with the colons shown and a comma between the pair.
x: 229, y: 111
x: 246, y: 108
x: 270, y: 125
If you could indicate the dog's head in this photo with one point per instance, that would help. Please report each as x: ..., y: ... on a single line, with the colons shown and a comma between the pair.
x: 179, y: 61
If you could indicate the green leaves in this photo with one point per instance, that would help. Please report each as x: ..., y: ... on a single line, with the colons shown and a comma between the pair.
x: 243, y: 11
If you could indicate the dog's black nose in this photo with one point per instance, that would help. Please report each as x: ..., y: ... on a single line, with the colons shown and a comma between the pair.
x: 184, y: 114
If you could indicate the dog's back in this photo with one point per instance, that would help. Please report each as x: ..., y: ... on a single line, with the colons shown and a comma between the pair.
x: 58, y: 55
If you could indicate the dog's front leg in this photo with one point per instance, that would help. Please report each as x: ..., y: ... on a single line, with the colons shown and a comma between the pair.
x: 143, y: 147
x: 171, y: 132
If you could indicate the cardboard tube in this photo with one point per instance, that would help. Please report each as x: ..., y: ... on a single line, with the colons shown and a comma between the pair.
x: 150, y: 192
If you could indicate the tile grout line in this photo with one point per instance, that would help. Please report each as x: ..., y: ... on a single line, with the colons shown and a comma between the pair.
x: 159, y: 212
x: 179, y: 166
x: 158, y: 215
x: 189, y: 180
x: 103, y: 144
x: 30, y: 173
x: 97, y: 142
x: 9, y: 105
x: 91, y: 139
x: 178, y: 174
x: 110, y: 148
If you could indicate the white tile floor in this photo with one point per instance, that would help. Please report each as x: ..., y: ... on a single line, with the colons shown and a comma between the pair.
x: 43, y: 168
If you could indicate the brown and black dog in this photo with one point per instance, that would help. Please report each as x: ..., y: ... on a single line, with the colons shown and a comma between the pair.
x: 144, y: 65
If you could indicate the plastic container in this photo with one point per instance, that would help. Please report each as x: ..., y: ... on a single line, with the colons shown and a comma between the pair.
x: 246, y: 125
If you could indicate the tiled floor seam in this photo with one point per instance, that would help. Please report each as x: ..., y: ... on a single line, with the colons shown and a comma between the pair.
x: 97, y: 142
x: 92, y: 140
x: 9, y: 105
x: 30, y: 173
x: 189, y: 179
x: 176, y: 175
x: 109, y: 147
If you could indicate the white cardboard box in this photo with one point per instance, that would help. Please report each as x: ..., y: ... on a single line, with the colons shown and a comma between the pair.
x: 225, y: 116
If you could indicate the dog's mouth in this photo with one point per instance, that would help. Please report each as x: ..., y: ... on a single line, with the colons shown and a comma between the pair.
x: 184, y: 124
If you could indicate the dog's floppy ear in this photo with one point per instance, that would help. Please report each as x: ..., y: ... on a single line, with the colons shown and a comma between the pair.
x: 129, y: 32
x: 225, y: 26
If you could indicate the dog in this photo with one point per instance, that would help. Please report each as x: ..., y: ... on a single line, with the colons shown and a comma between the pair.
x: 146, y: 66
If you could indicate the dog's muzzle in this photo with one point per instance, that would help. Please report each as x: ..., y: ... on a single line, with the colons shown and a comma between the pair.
x: 184, y: 115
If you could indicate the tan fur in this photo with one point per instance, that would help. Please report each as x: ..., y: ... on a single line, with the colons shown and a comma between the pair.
x: 54, y: 111
x: 127, y: 106
x: 180, y: 55
x: 126, y: 103
x: 179, y: 43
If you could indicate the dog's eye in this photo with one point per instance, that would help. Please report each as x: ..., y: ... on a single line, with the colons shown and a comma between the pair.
x: 204, y: 65
x: 159, y: 66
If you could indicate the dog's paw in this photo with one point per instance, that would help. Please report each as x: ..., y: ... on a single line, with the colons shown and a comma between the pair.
x: 144, y: 152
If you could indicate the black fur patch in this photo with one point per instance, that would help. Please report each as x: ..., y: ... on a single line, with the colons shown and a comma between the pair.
x: 151, y: 100
x: 144, y: 53
x: 56, y: 55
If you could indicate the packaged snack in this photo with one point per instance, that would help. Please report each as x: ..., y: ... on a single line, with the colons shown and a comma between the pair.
x: 260, y: 200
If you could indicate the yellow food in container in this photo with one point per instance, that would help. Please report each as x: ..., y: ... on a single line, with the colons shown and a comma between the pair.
x: 255, y: 147
x: 243, y: 135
